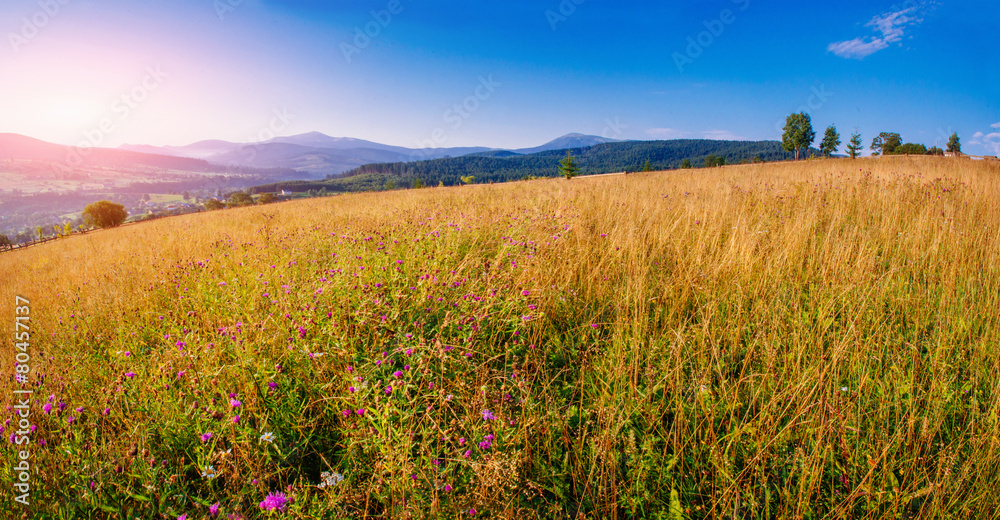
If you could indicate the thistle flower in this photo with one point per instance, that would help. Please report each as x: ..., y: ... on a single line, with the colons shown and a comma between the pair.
x: 274, y: 501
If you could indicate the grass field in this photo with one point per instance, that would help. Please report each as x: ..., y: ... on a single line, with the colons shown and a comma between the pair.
x: 796, y: 340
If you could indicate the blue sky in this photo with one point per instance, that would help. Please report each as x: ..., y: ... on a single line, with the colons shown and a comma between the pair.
x: 502, y: 74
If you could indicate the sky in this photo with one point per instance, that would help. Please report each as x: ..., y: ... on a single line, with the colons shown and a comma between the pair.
x: 510, y: 74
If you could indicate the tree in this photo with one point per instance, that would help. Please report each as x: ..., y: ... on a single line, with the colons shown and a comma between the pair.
x: 240, y: 198
x: 855, y: 147
x: 910, y: 149
x: 104, y: 214
x: 68, y: 228
x: 886, y: 143
x: 648, y: 167
x: 934, y: 150
x: 186, y: 195
x: 417, y: 184
x: 4, y: 242
x: 568, y: 167
x: 214, y: 204
x: 799, y: 133
x: 266, y: 198
x: 40, y: 231
x: 954, y: 144
x: 468, y: 179
x: 714, y: 160
x: 830, y: 141
x: 686, y: 164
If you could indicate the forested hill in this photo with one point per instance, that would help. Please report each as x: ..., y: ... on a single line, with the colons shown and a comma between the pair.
x: 502, y: 166
x: 601, y: 158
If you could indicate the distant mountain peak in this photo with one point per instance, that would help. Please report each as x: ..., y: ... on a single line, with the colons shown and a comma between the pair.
x: 571, y: 140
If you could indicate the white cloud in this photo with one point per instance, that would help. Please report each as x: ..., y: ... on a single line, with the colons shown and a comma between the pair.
x: 995, y: 125
x: 992, y: 143
x: 977, y: 135
x: 890, y: 28
x: 667, y: 133
x: 722, y: 135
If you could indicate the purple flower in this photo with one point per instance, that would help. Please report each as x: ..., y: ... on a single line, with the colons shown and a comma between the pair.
x: 183, y: 517
x: 47, y: 408
x: 130, y: 375
x: 272, y: 385
x: 106, y: 412
x: 234, y: 403
x: 447, y: 488
x: 398, y: 374
x: 205, y: 437
x: 388, y: 390
x: 488, y: 415
x: 360, y: 411
x: 274, y: 501
x: 70, y: 419
x: 213, y: 509
x: 236, y: 419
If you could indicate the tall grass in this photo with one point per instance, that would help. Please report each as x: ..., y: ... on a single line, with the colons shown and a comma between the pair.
x: 796, y: 340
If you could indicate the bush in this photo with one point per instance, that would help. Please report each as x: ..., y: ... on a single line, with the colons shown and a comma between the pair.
x: 266, y: 198
x: 240, y: 199
x: 909, y: 149
x: 104, y: 214
x: 213, y: 204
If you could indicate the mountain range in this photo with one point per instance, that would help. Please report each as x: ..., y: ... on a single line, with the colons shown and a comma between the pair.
x: 317, y: 155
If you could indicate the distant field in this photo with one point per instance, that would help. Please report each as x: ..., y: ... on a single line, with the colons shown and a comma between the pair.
x: 791, y: 340
x: 164, y: 198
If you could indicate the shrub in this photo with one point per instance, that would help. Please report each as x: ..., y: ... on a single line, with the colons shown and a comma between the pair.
x: 104, y: 214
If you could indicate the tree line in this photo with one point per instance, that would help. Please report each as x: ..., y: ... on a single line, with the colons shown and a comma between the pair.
x: 799, y: 134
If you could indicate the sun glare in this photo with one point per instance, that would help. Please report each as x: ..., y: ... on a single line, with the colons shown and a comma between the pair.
x: 69, y: 111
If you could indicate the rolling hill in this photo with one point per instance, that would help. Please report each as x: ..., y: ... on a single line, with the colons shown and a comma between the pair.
x: 502, y: 165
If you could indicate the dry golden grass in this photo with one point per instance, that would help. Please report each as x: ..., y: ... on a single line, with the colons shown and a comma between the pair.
x: 802, y: 340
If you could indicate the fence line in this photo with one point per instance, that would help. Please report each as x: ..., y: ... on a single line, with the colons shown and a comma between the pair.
x: 22, y: 245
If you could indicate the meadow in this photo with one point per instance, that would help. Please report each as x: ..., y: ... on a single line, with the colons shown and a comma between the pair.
x: 813, y: 339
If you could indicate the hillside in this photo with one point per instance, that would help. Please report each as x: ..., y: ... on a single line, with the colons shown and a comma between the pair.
x: 46, y: 184
x: 504, y: 166
x: 313, y: 154
x: 808, y: 340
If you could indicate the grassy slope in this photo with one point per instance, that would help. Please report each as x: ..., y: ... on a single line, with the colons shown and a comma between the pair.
x: 788, y: 340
